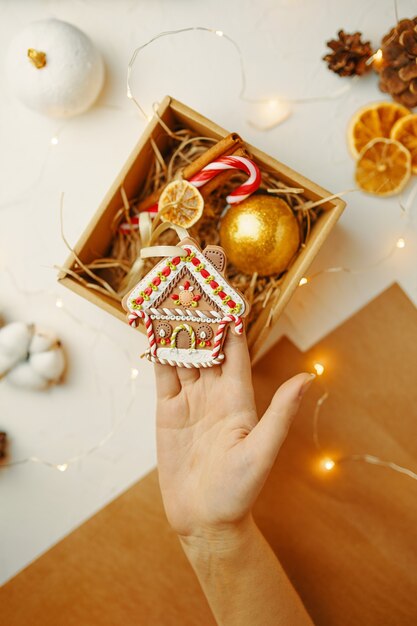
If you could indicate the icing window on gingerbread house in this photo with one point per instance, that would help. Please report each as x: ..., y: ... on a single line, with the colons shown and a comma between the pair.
x: 163, y: 333
x: 204, y: 335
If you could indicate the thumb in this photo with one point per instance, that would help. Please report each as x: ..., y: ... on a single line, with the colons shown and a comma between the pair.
x: 269, y: 434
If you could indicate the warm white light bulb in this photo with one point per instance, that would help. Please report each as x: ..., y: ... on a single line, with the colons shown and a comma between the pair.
x: 303, y: 281
x: 134, y: 373
x: 58, y: 303
x: 327, y: 464
x: 400, y: 243
x: 319, y: 368
x: 54, y: 141
x: 62, y: 467
x: 267, y: 114
x: 219, y: 33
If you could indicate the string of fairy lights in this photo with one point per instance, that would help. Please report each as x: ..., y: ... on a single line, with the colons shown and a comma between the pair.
x: 271, y: 112
x: 327, y: 463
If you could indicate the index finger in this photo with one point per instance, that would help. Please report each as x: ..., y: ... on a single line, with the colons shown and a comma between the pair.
x: 236, y: 353
x: 167, y: 381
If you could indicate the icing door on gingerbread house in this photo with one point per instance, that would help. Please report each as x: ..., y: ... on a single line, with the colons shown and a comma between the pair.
x: 182, y: 337
x: 186, y: 304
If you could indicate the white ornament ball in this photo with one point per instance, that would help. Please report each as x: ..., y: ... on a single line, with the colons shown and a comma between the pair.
x: 54, y: 68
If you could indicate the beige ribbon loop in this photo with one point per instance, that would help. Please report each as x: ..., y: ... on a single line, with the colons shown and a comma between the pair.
x: 151, y: 251
x: 147, y: 237
x: 145, y: 228
x: 181, y: 232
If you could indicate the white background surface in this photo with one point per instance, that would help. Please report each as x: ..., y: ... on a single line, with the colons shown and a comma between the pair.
x: 282, y: 42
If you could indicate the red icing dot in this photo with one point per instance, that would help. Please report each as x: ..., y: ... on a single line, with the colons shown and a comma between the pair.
x: 156, y: 281
x: 139, y: 300
x: 205, y: 273
x: 221, y: 294
x: 166, y: 271
x: 175, y: 296
x: 213, y: 284
x: 231, y: 304
x: 176, y: 260
x: 195, y: 261
x: 148, y: 291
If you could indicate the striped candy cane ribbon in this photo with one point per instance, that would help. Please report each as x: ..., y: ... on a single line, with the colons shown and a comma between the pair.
x: 231, y: 163
x: 218, y: 338
x: 133, y: 319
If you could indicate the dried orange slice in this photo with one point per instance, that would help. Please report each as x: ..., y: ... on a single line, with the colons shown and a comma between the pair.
x: 405, y: 131
x: 181, y: 203
x: 372, y: 121
x: 383, y: 167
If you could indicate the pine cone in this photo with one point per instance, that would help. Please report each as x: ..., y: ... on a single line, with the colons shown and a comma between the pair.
x: 398, y: 67
x: 349, y: 55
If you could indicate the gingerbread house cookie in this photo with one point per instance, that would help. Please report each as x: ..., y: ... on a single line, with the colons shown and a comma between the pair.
x: 187, y: 305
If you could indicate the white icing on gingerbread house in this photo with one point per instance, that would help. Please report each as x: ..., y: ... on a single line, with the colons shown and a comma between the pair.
x: 187, y: 304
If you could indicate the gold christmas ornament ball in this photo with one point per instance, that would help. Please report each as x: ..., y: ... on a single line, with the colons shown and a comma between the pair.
x: 260, y: 234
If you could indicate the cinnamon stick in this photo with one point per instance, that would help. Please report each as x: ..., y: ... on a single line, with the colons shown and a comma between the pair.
x: 225, y: 147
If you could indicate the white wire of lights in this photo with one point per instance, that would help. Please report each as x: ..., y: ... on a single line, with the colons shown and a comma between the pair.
x: 272, y: 111
x: 327, y: 463
x: 406, y: 211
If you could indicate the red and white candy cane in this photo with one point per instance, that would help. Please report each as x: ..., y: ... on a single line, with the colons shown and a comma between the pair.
x: 208, y: 173
x: 231, y: 163
x: 133, y: 321
x: 133, y: 223
x: 217, y: 342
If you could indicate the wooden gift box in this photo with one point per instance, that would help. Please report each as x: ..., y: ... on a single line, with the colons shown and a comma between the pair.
x: 96, y: 239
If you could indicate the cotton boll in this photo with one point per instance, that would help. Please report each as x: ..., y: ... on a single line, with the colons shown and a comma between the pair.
x: 29, y: 357
x: 23, y: 375
x: 50, y: 365
x: 15, y: 339
x: 42, y: 341
x: 7, y: 361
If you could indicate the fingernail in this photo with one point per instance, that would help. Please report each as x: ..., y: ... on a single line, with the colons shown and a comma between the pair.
x: 306, y: 385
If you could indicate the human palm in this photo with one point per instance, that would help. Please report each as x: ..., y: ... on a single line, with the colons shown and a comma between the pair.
x: 213, y: 453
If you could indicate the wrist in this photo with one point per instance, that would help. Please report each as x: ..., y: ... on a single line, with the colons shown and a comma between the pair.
x: 222, y: 540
